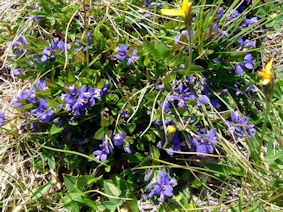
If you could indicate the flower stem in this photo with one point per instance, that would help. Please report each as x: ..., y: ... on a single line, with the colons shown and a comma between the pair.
x: 267, y: 108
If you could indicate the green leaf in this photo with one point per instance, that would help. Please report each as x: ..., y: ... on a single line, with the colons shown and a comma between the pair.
x: 54, y: 129
x: 73, y: 206
x: 169, y: 78
x: 158, y: 50
x: 193, y: 69
x: 71, y: 77
x: 111, y: 189
x: 40, y: 191
x: 100, y: 133
x: 133, y: 204
x: 45, y: 5
x: 130, y: 127
x: 70, y: 183
x: 261, y: 12
x: 51, y: 162
x: 90, y: 203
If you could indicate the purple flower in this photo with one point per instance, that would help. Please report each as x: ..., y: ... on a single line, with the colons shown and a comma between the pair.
x: 176, y: 144
x: 246, y: 43
x: 204, y: 141
x: 184, y: 35
x: 239, y: 70
x: 89, y: 37
x: 238, y: 91
x: 233, y: 15
x: 220, y: 12
x: 249, y: 21
x: 77, y: 102
x: 19, y: 45
x: 248, y: 61
x: 162, y: 186
x: 251, y: 89
x: 127, y: 148
x: 37, y: 18
x: 57, y: 44
x: 204, y: 99
x: 125, y: 114
x: 41, y: 85
x: 218, y: 32
x: 240, y: 126
x: 133, y: 58
x: 2, y: 119
x: 122, y: 52
x: 47, y: 53
x: 159, y: 144
x: 105, y: 150
x: 26, y: 96
x: 16, y: 72
x: 215, y: 103
x: 119, y: 139
x: 160, y: 86
x: 43, y: 112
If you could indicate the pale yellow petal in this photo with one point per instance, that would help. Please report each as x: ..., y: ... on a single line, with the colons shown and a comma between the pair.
x: 265, y: 81
x: 186, y: 5
x: 268, y: 66
x: 171, y: 12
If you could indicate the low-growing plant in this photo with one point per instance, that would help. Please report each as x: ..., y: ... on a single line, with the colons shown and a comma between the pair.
x: 140, y: 97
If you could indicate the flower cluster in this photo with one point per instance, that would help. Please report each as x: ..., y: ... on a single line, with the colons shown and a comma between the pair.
x: 42, y: 111
x: 189, y: 90
x: 49, y: 52
x: 240, y: 126
x: 122, y: 54
x: 204, y: 141
x: 246, y: 44
x: 106, y: 147
x: 247, y: 63
x: 78, y: 101
x: 161, y: 186
x: 26, y: 96
x: 19, y: 45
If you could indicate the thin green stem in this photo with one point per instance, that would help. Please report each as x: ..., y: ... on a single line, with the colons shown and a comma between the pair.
x: 268, y: 106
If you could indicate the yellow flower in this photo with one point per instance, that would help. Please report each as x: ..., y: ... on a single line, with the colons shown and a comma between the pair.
x: 184, y: 11
x: 171, y: 130
x: 266, y: 74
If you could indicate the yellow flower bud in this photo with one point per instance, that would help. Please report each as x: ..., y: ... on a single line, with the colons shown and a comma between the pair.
x: 266, y: 75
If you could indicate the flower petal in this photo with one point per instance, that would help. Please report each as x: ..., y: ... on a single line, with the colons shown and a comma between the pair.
x: 171, y: 12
